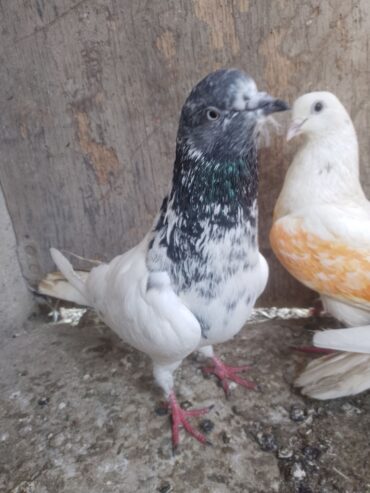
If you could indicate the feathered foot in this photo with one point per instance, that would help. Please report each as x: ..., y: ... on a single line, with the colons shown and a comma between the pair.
x: 225, y: 373
x: 179, y: 418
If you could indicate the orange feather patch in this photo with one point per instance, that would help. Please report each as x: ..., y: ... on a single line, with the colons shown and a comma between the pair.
x: 329, y: 267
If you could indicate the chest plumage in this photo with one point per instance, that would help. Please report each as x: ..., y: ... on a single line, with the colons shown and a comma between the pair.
x: 206, y: 239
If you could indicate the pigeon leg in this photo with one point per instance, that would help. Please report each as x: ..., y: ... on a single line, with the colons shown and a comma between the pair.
x: 225, y: 373
x: 179, y: 419
x: 312, y: 349
x: 317, y: 310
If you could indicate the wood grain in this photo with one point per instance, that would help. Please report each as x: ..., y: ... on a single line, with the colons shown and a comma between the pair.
x: 90, y: 97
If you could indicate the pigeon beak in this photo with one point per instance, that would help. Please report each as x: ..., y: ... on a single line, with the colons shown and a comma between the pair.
x: 266, y: 103
x: 295, y: 129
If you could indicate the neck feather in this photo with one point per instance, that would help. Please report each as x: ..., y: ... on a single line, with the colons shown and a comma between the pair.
x: 204, y: 188
x: 325, y: 170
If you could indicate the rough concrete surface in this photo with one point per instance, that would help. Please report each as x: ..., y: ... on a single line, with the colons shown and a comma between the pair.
x: 79, y: 414
x: 15, y: 299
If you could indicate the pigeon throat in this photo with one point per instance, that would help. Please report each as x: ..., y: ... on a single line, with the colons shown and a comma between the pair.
x: 208, y: 187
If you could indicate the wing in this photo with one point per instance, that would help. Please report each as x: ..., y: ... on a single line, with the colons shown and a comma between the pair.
x: 142, y: 307
x: 178, y: 329
x: 327, y: 248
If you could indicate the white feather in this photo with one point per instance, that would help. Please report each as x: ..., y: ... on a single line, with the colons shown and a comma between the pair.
x: 356, y: 339
x: 72, y: 277
x: 56, y: 286
x: 336, y: 375
x: 350, y: 315
x: 141, y: 307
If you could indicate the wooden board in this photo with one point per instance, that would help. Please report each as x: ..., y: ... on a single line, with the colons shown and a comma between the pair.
x: 90, y: 97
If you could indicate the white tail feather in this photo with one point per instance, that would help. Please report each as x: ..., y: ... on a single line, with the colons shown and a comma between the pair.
x: 57, y: 286
x: 336, y: 375
x: 356, y: 339
x: 75, y: 291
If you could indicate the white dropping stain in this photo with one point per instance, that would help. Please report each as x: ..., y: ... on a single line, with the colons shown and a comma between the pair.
x: 21, y: 400
x: 118, y: 464
x: 233, y: 385
x: 279, y: 415
x: 4, y: 437
x: 298, y: 472
x: 25, y: 430
x: 15, y: 395
x: 69, y: 470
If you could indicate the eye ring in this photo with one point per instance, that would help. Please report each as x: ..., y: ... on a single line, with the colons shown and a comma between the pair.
x: 213, y: 114
x: 318, y: 106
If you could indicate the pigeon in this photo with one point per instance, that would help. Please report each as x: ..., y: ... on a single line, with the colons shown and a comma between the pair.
x: 194, y: 278
x: 321, y: 235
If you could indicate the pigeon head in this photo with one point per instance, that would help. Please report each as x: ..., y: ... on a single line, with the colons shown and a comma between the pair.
x: 220, y: 115
x: 317, y: 114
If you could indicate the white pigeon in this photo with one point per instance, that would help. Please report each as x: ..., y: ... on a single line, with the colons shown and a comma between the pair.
x: 193, y: 280
x: 321, y: 234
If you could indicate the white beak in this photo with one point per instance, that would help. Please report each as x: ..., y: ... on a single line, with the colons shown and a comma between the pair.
x: 295, y: 128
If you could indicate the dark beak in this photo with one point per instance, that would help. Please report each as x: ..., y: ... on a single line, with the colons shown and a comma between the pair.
x: 274, y: 106
x: 268, y: 104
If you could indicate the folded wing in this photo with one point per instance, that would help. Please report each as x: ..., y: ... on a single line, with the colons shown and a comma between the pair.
x: 139, y: 305
x: 327, y: 248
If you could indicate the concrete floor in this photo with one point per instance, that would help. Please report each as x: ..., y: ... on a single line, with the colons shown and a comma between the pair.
x: 78, y: 415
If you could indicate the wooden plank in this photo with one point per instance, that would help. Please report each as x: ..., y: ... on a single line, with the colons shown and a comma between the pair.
x: 91, y: 93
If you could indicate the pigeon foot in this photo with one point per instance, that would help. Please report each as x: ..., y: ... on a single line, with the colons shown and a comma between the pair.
x: 225, y: 373
x: 179, y: 419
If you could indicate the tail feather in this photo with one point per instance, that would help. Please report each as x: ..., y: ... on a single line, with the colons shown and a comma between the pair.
x: 355, y: 339
x: 73, y: 290
x: 336, y: 375
x: 56, y: 286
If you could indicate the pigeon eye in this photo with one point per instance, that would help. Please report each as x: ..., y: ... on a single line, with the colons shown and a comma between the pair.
x: 318, y: 107
x: 213, y: 114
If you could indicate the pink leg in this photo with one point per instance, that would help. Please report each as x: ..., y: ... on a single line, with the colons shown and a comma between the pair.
x: 312, y: 349
x: 179, y: 418
x: 225, y: 373
x: 317, y: 310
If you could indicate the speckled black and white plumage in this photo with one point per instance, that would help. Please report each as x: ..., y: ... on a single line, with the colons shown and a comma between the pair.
x: 193, y: 280
x: 206, y: 234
